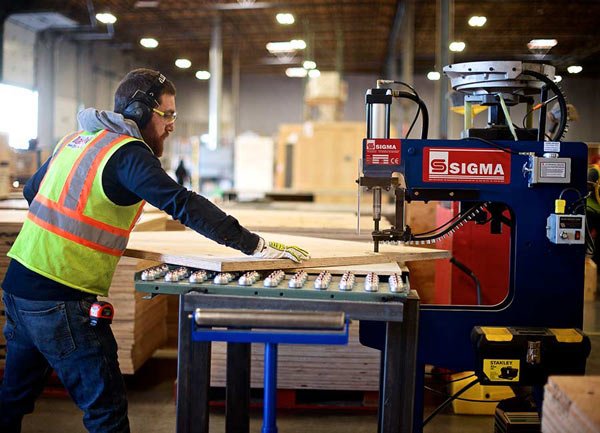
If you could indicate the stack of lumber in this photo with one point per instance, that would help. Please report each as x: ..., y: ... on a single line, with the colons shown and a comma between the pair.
x: 139, y: 325
x: 10, y: 225
x: 344, y: 368
x: 571, y: 405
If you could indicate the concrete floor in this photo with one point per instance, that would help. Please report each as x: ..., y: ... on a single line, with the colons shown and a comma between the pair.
x: 152, y: 409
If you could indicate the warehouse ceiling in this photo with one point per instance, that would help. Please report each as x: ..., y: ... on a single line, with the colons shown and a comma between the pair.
x: 349, y: 35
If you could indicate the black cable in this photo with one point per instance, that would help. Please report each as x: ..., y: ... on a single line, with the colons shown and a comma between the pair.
x: 537, y: 108
x: 472, y: 400
x: 421, y: 103
x: 569, y: 189
x: 562, y: 103
x: 468, y: 272
x: 491, y: 143
x: 451, y: 220
x: 471, y: 212
x: 450, y: 381
x: 449, y: 400
x: 413, y: 122
x: 423, y: 110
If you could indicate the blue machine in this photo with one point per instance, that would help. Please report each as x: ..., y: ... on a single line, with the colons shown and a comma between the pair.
x: 501, y: 179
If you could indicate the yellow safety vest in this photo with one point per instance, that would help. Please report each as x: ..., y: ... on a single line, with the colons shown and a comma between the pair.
x: 592, y: 200
x: 74, y: 233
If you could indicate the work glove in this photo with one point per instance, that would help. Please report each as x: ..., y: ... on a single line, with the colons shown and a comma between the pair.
x: 276, y: 250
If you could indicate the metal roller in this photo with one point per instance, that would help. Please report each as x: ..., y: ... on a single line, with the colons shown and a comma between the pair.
x: 270, y: 319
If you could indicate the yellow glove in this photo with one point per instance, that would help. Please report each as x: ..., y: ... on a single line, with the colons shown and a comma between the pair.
x: 276, y: 250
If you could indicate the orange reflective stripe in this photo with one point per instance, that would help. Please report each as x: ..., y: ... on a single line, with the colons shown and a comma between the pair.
x: 137, y: 215
x: 61, y: 145
x: 64, y: 192
x: 80, y: 217
x: 89, y: 180
x: 79, y: 240
x: 66, y: 140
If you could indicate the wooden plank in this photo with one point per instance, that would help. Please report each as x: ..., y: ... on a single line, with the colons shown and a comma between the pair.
x: 571, y: 405
x: 190, y: 249
x: 151, y: 222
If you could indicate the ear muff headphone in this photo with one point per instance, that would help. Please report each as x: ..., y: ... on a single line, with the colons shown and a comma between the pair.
x: 140, y: 105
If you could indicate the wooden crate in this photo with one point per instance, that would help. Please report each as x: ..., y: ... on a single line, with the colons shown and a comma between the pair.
x: 571, y: 405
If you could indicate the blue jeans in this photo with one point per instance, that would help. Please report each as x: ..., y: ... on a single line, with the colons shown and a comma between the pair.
x: 46, y: 335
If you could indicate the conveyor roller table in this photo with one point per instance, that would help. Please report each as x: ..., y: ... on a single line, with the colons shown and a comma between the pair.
x: 399, y: 312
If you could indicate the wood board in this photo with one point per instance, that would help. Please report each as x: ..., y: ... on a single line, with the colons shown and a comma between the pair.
x: 571, y: 405
x: 188, y: 248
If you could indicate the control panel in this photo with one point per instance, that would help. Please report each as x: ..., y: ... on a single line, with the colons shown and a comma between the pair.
x: 566, y: 229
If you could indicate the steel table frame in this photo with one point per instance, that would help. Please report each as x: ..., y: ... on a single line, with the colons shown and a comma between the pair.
x: 398, y: 360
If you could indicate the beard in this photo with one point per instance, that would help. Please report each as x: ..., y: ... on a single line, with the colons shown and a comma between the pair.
x: 156, y: 142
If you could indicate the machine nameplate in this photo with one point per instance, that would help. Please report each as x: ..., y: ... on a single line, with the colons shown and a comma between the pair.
x: 382, y: 151
x: 466, y: 165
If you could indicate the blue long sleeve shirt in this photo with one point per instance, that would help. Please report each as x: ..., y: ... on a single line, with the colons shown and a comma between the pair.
x: 131, y: 174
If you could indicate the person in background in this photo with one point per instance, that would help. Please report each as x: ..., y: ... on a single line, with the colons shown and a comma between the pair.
x: 553, y: 117
x: 593, y: 206
x: 83, y: 203
x: 181, y: 173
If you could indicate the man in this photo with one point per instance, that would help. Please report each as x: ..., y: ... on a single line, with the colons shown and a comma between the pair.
x: 83, y: 204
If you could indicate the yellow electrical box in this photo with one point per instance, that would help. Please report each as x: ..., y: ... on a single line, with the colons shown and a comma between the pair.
x: 488, y: 396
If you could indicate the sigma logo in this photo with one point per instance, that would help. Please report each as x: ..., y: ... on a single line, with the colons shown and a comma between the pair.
x: 466, y: 165
x: 372, y: 145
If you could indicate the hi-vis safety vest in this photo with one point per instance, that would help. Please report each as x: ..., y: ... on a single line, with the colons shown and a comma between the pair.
x: 73, y: 233
x: 592, y: 201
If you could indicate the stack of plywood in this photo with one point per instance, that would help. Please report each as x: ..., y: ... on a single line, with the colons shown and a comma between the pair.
x: 571, y: 405
x: 139, y: 325
x: 353, y: 367
x: 10, y: 225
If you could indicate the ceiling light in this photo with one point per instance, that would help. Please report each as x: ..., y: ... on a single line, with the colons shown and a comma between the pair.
x: 433, y: 75
x: 149, y: 42
x: 557, y: 78
x: 298, y: 44
x: 106, y: 18
x: 314, y: 73
x: 202, y: 75
x: 286, y: 47
x: 457, y: 46
x: 183, y: 63
x: 309, y: 64
x: 574, y: 69
x: 146, y: 4
x: 477, y: 21
x: 279, y: 47
x: 541, y: 44
x: 285, y: 18
x: 296, y: 72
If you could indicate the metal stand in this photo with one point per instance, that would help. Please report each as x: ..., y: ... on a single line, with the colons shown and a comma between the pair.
x: 398, y: 361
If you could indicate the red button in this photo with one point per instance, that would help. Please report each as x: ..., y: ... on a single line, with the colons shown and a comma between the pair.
x: 577, y: 236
